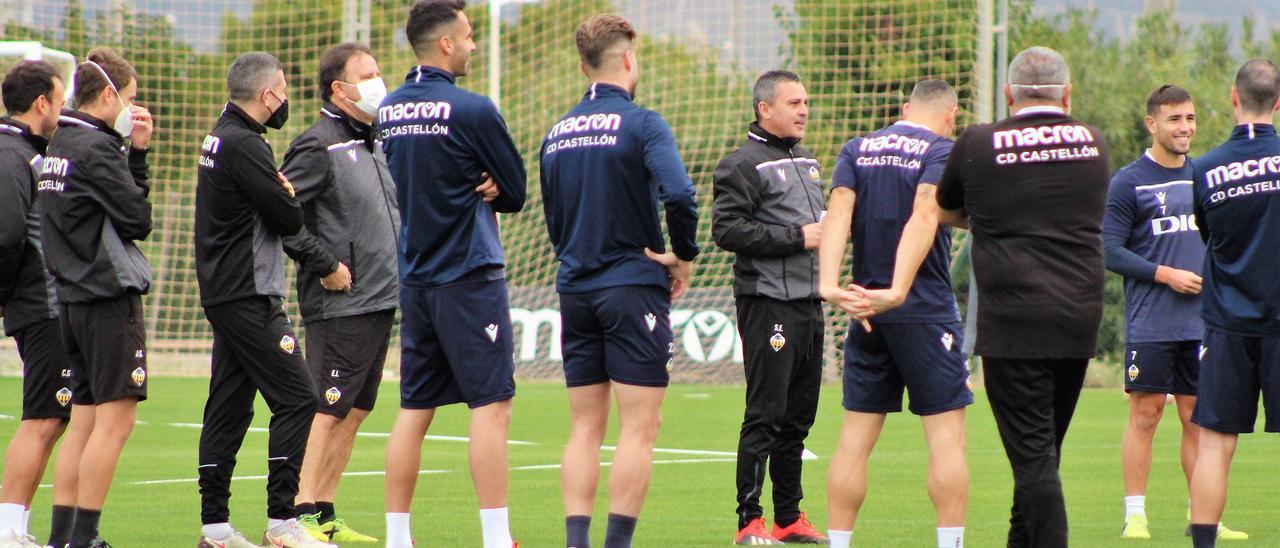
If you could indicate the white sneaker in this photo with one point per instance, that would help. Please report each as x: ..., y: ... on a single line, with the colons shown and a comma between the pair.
x: 291, y: 535
x: 11, y: 539
x: 236, y: 540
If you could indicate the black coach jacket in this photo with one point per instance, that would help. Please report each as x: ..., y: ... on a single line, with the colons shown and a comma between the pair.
x: 94, y: 191
x: 350, y: 215
x: 26, y: 289
x: 765, y: 191
x: 242, y: 212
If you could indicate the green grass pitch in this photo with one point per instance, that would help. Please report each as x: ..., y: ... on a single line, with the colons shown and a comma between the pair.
x: 154, y: 502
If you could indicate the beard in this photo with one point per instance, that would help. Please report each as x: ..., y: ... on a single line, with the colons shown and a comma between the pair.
x: 1172, y: 146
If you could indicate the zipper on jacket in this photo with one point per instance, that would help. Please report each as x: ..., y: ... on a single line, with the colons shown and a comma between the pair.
x: 813, y: 289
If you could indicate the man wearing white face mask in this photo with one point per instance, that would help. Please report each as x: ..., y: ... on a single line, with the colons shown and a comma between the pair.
x: 94, y: 190
x: 347, y: 285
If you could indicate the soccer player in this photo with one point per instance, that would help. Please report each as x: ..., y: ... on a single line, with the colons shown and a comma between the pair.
x: 605, y: 166
x: 347, y: 290
x: 885, y: 187
x: 455, y: 330
x: 1237, y: 207
x: 94, y: 185
x: 1033, y: 188
x: 767, y: 211
x: 243, y: 209
x: 34, y: 95
x: 1149, y: 237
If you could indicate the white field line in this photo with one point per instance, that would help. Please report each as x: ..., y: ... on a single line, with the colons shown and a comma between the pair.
x: 259, y: 429
x: 420, y: 472
x: 464, y: 439
x: 261, y: 478
x: 681, y: 451
x: 660, y: 461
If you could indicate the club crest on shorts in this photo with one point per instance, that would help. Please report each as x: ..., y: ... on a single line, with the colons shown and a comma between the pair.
x: 287, y: 344
x: 651, y: 321
x: 1133, y: 371
x: 63, y: 396
x: 332, y: 395
x: 138, y: 376
x: 492, y: 331
x: 777, y: 341
x: 947, y: 340
x: 1203, y: 350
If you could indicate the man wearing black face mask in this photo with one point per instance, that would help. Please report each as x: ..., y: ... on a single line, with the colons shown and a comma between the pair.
x: 243, y: 209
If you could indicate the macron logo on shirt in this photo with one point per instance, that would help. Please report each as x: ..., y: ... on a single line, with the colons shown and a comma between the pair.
x: 579, y: 124
x: 1236, y: 171
x: 422, y: 110
x: 53, y: 174
x: 1041, y: 136
x: 893, y: 141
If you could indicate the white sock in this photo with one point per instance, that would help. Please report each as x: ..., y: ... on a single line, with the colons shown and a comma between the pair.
x: 951, y: 537
x: 398, y: 535
x: 217, y: 531
x: 493, y: 523
x: 26, y: 521
x: 1135, y: 505
x: 277, y: 524
x: 11, y: 517
x: 839, y: 539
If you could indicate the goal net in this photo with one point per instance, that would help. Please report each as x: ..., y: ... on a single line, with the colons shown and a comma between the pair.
x: 698, y: 60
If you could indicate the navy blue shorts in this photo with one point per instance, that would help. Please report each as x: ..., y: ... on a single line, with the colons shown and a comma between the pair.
x: 925, y: 358
x: 456, y: 345
x: 620, y: 334
x: 1233, y: 369
x: 1162, y: 367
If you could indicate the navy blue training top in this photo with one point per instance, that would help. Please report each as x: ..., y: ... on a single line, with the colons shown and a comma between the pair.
x: 883, y: 169
x: 1237, y: 199
x: 606, y: 165
x: 439, y: 139
x: 1150, y: 221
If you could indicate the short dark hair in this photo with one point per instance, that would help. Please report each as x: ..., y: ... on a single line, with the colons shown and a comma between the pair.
x: 1166, y: 95
x: 766, y: 88
x: 251, y: 73
x: 596, y: 35
x: 26, y: 82
x: 334, y: 62
x: 89, y: 80
x: 934, y: 91
x: 1258, y: 85
x: 425, y: 19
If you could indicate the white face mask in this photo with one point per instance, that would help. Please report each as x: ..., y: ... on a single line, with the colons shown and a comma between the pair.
x: 372, y: 92
x: 123, y: 123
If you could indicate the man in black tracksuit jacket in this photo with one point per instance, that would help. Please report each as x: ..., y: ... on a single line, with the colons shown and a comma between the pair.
x: 33, y: 95
x: 94, y: 190
x: 768, y: 203
x: 243, y: 209
x: 94, y: 211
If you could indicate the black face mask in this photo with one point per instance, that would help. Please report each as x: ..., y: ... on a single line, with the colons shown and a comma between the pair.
x: 279, y: 117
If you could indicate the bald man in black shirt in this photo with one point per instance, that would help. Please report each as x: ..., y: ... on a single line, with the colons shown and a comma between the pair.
x: 1033, y: 188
